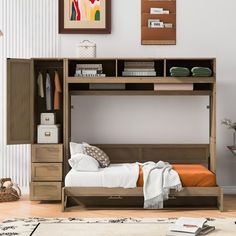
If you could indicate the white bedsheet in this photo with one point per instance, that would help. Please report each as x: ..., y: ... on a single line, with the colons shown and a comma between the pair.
x: 116, y: 175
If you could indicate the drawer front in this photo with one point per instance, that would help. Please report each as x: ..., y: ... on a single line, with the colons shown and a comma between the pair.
x: 46, y: 171
x: 45, y: 191
x: 47, y: 153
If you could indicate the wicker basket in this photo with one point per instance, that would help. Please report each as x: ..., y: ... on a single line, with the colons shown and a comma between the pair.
x: 9, y: 194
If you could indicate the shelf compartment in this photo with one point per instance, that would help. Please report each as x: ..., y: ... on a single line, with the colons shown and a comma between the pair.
x: 190, y: 63
x: 158, y: 66
x: 48, y: 66
x: 109, y: 65
x: 166, y: 5
x: 158, y: 33
x: 166, y: 18
x: 141, y: 87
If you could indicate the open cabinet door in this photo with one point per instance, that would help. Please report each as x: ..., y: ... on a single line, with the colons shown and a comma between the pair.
x: 20, y: 101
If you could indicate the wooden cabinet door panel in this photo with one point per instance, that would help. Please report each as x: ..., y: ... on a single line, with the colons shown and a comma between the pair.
x: 20, y: 101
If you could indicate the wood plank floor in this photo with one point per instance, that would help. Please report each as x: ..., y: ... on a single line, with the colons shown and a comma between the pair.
x: 26, y: 208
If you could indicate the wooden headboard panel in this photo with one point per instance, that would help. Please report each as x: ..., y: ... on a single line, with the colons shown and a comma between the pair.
x: 172, y: 153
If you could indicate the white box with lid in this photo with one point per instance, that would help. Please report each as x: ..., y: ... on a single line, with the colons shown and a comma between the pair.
x: 86, y: 49
x: 48, y: 119
x: 48, y: 134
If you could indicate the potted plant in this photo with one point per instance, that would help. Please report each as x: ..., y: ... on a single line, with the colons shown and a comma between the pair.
x: 230, y: 125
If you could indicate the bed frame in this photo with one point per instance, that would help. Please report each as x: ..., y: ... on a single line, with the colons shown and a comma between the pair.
x: 173, y: 153
x: 204, y: 154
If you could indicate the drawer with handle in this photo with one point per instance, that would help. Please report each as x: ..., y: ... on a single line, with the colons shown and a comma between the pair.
x: 47, y: 153
x: 45, y: 191
x: 46, y: 172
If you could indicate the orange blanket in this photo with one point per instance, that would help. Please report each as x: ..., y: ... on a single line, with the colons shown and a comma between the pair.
x: 190, y: 176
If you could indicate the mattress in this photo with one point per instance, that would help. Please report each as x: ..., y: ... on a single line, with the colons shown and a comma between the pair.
x: 195, y: 176
x: 131, y: 175
x: 191, y: 175
x: 116, y: 175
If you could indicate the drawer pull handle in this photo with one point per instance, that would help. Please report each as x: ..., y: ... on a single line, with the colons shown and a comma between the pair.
x: 115, y: 198
x: 47, y: 134
x: 47, y: 119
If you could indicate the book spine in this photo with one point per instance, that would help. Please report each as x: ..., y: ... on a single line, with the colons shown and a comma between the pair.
x: 138, y: 73
x: 139, y: 69
x: 139, y: 64
x: 89, y: 66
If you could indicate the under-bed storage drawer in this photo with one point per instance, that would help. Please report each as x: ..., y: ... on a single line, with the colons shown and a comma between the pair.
x: 47, y: 153
x: 46, y: 172
x: 45, y: 191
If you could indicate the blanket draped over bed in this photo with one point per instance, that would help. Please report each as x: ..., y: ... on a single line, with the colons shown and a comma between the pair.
x: 159, y: 178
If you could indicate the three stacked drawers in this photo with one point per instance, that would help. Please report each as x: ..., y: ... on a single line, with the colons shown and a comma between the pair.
x: 46, y: 173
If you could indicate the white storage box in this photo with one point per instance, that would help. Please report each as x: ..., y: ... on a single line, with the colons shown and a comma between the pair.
x: 48, y: 119
x: 86, y: 49
x: 48, y: 133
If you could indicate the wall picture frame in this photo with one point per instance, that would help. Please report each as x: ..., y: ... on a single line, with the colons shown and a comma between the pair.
x: 84, y: 16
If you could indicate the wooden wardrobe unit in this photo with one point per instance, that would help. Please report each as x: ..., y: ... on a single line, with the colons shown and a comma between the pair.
x: 24, y: 108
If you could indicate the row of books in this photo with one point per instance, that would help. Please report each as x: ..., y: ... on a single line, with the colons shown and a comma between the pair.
x: 139, y: 68
x: 89, y: 70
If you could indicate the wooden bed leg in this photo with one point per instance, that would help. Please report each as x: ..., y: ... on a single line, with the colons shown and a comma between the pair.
x: 220, y: 200
x: 63, y: 200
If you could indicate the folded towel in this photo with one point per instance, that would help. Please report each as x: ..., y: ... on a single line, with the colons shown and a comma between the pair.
x: 179, y: 74
x: 201, y: 71
x: 179, y: 71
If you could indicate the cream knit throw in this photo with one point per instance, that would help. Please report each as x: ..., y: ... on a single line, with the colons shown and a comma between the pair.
x: 159, y: 178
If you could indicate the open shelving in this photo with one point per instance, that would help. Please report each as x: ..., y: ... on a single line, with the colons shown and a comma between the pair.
x: 141, y: 85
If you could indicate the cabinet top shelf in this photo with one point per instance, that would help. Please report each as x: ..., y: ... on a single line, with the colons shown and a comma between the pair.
x: 163, y: 80
x: 138, y: 93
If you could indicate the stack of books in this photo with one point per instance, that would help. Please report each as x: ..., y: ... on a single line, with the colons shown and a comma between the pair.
x: 190, y: 226
x: 89, y: 70
x: 139, y: 68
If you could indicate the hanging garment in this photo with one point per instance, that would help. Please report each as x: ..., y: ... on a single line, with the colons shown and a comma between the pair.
x: 48, y: 92
x: 57, y: 91
x: 40, y: 85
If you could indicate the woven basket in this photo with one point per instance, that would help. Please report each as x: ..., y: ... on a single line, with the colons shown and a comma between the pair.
x: 10, y: 194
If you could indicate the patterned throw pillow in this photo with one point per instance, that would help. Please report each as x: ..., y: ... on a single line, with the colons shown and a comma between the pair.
x: 97, y: 154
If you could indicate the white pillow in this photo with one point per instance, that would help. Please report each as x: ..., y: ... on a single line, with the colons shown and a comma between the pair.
x: 76, y: 148
x: 83, y: 162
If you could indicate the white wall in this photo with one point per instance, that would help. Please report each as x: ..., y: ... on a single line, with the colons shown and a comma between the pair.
x: 205, y: 28
x: 140, y: 119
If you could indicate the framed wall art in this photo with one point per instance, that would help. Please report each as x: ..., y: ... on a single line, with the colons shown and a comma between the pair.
x: 84, y: 16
